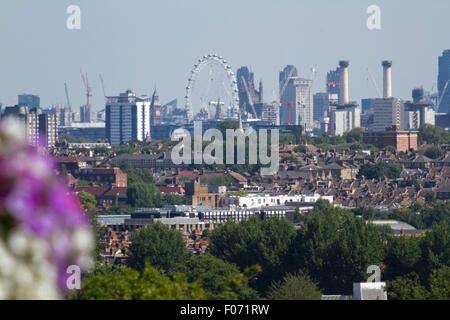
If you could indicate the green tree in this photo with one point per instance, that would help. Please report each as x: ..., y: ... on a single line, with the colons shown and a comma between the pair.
x: 139, y: 175
x: 335, y: 247
x: 143, y: 195
x: 158, y: 245
x: 122, y: 283
x: 433, y: 134
x: 354, y: 135
x: 295, y: 287
x: 402, y: 256
x: 435, y: 247
x: 87, y: 200
x: 380, y: 169
x: 266, y: 243
x: 433, y: 152
x: 440, y: 284
x: 221, y: 279
x: 406, y: 287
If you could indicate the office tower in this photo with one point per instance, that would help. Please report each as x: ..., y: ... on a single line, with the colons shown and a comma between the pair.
x: 296, y: 99
x: 444, y: 82
x: 388, y: 112
x: 155, y: 109
x: 29, y: 100
x: 127, y: 118
x: 248, y: 94
x: 321, y: 105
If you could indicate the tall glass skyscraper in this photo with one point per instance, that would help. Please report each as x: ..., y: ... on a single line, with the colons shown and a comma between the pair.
x: 443, y: 78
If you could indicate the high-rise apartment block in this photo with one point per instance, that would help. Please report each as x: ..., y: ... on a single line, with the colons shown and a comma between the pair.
x: 127, y: 118
x: 40, y: 128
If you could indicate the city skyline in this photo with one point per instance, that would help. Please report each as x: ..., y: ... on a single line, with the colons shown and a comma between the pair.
x: 41, y: 54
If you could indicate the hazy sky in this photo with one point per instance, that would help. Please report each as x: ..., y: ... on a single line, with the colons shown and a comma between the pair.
x: 140, y: 43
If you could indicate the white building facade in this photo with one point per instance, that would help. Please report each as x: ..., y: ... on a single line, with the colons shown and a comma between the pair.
x: 266, y: 200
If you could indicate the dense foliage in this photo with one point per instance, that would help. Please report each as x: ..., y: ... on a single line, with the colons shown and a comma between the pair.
x: 380, y: 169
x: 158, y: 245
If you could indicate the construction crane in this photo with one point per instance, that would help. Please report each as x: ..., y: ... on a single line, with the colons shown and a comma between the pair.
x: 374, y: 83
x: 103, y: 86
x: 67, y: 96
x: 87, y: 111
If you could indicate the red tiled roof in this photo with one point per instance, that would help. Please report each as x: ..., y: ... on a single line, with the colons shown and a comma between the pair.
x: 171, y: 190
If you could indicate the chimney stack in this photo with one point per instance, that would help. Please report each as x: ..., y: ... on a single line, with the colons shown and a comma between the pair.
x: 387, y: 90
x: 343, y: 82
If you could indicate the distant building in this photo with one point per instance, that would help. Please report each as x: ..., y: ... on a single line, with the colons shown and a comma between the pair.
x: 127, y: 118
x: 388, y: 112
x: 393, y: 136
x: 267, y: 200
x: 248, y: 94
x: 29, y: 100
x: 268, y: 112
x: 85, y: 114
x: 198, y: 195
x: 321, y: 106
x: 40, y: 128
x: 155, y: 110
x: 367, y: 105
x: 76, y: 117
x: 346, y: 118
x: 444, y: 81
x: 63, y: 115
x: 296, y: 99
x: 92, y: 130
x: 333, y: 84
x: 419, y: 111
x: 101, y: 115
x: 110, y: 176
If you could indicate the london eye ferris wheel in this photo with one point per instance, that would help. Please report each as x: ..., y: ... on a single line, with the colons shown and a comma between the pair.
x: 212, y: 89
